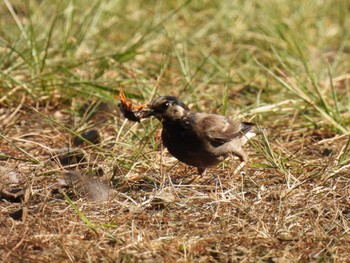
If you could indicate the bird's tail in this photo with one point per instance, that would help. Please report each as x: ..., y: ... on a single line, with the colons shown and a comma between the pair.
x: 248, y: 127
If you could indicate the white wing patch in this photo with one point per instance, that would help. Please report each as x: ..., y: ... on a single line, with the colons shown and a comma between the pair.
x: 246, y: 137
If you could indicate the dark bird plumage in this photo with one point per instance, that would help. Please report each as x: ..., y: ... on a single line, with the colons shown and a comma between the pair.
x: 198, y: 139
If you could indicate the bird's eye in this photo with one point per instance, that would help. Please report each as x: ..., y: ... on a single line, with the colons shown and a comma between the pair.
x: 165, y: 105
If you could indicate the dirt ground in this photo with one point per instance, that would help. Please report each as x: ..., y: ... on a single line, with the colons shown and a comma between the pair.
x: 106, y: 203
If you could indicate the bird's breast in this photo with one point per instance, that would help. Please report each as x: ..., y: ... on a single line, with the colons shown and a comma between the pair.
x: 176, y: 135
x: 185, y: 144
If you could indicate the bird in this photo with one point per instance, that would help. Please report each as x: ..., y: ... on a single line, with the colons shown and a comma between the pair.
x: 199, y: 139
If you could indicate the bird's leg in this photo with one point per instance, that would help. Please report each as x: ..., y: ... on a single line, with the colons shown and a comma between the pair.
x: 243, y: 157
x: 239, y: 168
x: 200, y: 170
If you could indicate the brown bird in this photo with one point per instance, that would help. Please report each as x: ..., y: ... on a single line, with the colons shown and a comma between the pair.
x: 201, y: 140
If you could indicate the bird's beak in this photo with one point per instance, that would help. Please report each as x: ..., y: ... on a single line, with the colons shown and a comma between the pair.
x: 146, y: 112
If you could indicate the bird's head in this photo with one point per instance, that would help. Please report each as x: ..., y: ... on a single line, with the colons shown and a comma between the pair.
x: 165, y: 107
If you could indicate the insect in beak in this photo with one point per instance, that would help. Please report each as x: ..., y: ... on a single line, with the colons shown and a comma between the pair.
x: 130, y: 112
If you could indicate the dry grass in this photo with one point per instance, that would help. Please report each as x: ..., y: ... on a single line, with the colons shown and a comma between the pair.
x: 300, y: 213
x: 123, y: 197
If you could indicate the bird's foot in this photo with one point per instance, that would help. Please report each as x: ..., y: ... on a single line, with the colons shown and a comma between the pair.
x: 195, y: 178
x: 239, y: 169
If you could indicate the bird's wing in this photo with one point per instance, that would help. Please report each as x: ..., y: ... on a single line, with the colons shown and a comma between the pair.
x: 219, y: 129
